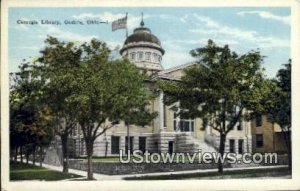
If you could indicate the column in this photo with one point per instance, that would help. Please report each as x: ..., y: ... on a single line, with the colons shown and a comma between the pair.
x: 161, y: 110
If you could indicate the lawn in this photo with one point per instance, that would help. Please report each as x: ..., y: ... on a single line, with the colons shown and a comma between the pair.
x: 19, y: 171
x: 247, y: 173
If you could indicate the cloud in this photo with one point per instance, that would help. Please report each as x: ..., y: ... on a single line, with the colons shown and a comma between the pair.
x: 26, y: 47
x: 114, y: 44
x: 201, y: 41
x: 184, y: 18
x: 20, y: 27
x: 105, y: 16
x: 65, y: 35
x: 214, y: 30
x: 175, y: 58
x: 267, y: 15
x: 133, y: 21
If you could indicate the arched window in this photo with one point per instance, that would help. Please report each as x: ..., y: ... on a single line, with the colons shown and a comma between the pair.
x: 140, y: 55
x: 148, y: 56
x: 155, y: 57
x: 132, y: 56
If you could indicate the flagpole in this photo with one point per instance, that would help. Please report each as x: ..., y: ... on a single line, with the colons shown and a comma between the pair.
x: 126, y: 26
x: 126, y: 33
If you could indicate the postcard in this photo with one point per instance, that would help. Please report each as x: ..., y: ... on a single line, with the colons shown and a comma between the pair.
x: 109, y: 95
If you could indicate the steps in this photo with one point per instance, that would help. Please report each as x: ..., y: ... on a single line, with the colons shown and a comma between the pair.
x: 186, y: 143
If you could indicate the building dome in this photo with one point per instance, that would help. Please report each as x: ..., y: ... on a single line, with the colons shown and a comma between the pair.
x: 142, y: 34
x: 143, y: 49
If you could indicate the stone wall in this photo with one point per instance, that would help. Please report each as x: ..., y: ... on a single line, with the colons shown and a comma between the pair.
x: 133, y: 168
x: 116, y: 168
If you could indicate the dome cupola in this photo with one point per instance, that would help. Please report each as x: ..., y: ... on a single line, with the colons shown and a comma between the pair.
x: 143, y: 49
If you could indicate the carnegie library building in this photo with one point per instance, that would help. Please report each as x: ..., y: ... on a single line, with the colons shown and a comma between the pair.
x: 168, y: 132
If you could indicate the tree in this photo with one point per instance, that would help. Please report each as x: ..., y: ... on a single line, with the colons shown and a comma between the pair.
x: 29, y: 117
x: 56, y: 69
x: 107, y: 90
x: 138, y: 115
x: 220, y: 89
x: 279, y: 108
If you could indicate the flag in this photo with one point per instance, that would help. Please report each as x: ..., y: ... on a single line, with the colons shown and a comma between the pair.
x: 119, y: 24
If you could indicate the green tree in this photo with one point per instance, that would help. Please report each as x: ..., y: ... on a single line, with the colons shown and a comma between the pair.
x: 30, y: 119
x: 279, y: 108
x: 56, y: 69
x: 220, y: 89
x: 108, y: 91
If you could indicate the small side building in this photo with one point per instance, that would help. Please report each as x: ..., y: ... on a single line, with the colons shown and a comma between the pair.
x: 267, y: 136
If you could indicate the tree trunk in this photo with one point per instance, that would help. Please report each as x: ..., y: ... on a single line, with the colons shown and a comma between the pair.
x: 128, y: 139
x: 89, y: 148
x: 21, y: 153
x: 106, y: 147
x: 221, y: 152
x: 27, y: 157
x: 41, y: 156
x: 16, y: 154
x: 34, y: 155
x: 64, y: 141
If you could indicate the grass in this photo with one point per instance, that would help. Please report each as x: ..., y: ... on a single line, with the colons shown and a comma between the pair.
x: 19, y: 171
x: 248, y: 173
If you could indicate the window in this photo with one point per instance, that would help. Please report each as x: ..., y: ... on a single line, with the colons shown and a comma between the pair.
x: 184, y: 125
x: 259, y: 140
x: 175, y: 125
x: 231, y: 145
x: 82, y: 145
x: 132, y: 56
x: 258, y: 120
x: 115, y: 145
x: 159, y: 58
x: 165, y: 115
x: 241, y: 145
x: 140, y: 56
x: 147, y: 56
x: 239, y: 126
x: 142, y: 144
x: 155, y: 57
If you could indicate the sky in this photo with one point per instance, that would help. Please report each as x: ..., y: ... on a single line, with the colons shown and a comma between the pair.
x: 179, y: 29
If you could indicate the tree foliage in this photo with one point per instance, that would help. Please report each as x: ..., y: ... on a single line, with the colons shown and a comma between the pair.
x: 56, y: 69
x: 220, y: 88
x: 107, y: 91
x: 278, y: 109
x: 30, y: 118
x: 82, y: 85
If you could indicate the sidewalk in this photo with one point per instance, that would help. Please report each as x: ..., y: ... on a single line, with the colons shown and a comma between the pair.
x: 99, y: 176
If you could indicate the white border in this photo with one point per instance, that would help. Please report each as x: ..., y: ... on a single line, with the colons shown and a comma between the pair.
x: 228, y: 184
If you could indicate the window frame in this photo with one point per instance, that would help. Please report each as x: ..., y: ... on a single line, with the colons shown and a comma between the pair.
x: 133, y: 56
x: 112, y: 150
x: 241, y: 146
x: 258, y: 120
x: 261, y: 145
x: 140, y: 56
x: 148, y: 56
x: 180, y: 123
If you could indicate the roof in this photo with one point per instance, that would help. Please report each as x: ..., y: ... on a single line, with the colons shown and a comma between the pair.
x: 142, y: 35
x: 180, y: 67
x: 165, y: 73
